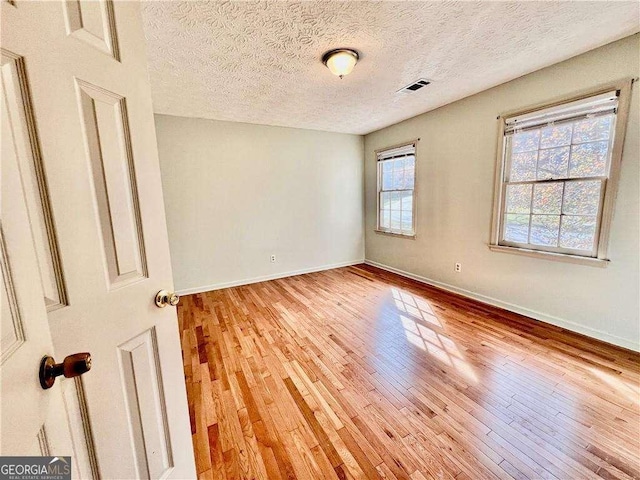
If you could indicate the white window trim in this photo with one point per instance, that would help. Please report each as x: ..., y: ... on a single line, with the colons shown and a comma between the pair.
x: 383, y: 231
x: 610, y: 186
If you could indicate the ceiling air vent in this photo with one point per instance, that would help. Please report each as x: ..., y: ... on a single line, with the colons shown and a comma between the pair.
x: 417, y: 85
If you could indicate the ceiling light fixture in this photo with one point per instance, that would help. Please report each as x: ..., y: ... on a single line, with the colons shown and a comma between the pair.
x: 340, y: 61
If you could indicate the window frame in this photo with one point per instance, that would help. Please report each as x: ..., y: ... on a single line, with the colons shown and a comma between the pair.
x: 608, y: 192
x: 382, y: 230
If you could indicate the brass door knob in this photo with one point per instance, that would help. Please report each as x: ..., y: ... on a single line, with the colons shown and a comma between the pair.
x: 71, y: 366
x: 164, y: 298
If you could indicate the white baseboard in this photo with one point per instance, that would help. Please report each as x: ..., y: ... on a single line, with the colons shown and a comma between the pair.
x: 543, y: 317
x: 264, y: 278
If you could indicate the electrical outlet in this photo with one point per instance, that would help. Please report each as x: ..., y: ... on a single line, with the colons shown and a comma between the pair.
x: 273, y: 259
x: 458, y: 267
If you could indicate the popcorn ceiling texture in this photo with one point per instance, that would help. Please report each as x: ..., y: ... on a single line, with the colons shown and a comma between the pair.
x: 259, y: 62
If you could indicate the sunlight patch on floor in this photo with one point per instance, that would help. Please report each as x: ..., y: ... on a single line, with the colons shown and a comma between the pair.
x: 630, y: 391
x: 415, y: 306
x: 415, y: 311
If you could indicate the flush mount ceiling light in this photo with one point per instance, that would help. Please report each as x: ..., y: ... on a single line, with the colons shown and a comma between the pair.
x: 340, y: 61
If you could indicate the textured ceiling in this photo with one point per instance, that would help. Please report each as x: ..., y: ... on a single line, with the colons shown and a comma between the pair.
x: 259, y: 62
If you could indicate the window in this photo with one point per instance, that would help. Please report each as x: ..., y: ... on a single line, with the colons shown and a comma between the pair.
x: 558, y: 168
x: 396, y: 194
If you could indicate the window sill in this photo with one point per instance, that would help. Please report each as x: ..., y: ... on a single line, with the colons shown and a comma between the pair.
x: 394, y: 234
x: 558, y: 257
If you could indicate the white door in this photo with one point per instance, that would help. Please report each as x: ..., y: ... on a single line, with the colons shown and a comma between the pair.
x: 81, y: 157
x: 24, y: 329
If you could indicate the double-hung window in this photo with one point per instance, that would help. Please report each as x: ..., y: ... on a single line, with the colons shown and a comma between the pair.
x: 557, y: 170
x: 396, y: 190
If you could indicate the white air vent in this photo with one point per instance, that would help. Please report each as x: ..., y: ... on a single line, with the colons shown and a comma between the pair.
x: 414, y: 86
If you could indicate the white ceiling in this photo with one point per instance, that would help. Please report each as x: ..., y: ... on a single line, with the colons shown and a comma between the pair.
x: 259, y: 62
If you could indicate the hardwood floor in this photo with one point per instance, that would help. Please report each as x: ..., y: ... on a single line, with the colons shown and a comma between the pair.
x: 359, y: 373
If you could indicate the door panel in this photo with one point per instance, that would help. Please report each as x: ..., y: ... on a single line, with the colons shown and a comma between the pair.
x: 85, y: 459
x: 93, y: 22
x: 19, y: 123
x: 12, y: 325
x: 146, y: 406
x: 128, y: 416
x: 108, y: 145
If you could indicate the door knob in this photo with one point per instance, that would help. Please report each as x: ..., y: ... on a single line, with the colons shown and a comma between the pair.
x: 71, y: 366
x: 164, y: 298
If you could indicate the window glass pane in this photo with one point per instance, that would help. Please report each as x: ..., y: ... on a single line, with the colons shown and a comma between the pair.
x: 409, y: 173
x: 395, y: 220
x: 547, y: 197
x: 589, y: 159
x: 395, y: 200
x: 407, y: 221
x: 523, y: 166
x: 387, y: 172
x: 526, y: 141
x: 577, y: 232
x: 406, y: 201
x: 544, y: 230
x: 398, y: 174
x: 518, y: 198
x: 556, y: 136
x: 553, y: 163
x: 385, y: 200
x: 384, y: 219
x: 516, y: 228
x: 592, y: 129
x: 581, y: 198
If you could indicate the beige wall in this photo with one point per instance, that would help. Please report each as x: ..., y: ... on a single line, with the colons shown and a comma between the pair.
x: 236, y: 193
x: 455, y: 171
